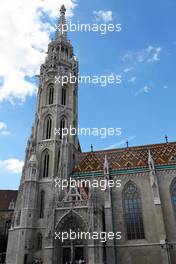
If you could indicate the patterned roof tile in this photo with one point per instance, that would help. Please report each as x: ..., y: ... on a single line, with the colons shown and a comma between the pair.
x: 131, y: 157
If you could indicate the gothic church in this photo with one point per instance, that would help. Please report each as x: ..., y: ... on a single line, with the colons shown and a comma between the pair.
x: 143, y: 209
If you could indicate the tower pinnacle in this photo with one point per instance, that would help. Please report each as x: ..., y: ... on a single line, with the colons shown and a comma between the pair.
x: 62, y: 25
x: 62, y: 10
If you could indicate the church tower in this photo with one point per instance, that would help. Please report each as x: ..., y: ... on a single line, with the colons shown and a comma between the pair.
x: 49, y: 154
x: 125, y: 207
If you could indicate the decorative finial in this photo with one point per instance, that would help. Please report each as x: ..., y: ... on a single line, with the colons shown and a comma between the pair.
x: 106, y: 165
x: 91, y: 148
x: 166, y: 138
x: 127, y: 144
x: 150, y: 161
x: 61, y: 32
x: 62, y: 10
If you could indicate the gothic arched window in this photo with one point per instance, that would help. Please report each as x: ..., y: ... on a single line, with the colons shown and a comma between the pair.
x: 62, y: 51
x: 42, y: 204
x: 45, y: 164
x: 66, y: 51
x: 173, y: 193
x: 64, y: 95
x: 39, y: 241
x: 50, y: 94
x: 7, y: 227
x: 39, y: 98
x: 62, y: 126
x: 48, y: 127
x: 132, y: 206
x: 58, y: 160
x: 18, y: 218
x: 74, y: 100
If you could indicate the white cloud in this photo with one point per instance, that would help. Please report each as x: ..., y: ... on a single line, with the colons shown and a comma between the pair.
x: 155, y: 55
x: 6, y: 133
x: 150, y: 55
x: 145, y: 89
x: 142, y: 55
x: 2, y: 126
x: 3, y: 129
x: 12, y: 165
x: 132, y: 79
x: 105, y: 16
x: 127, y: 56
x: 126, y: 70
x: 23, y: 40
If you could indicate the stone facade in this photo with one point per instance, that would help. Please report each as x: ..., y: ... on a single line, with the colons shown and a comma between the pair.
x: 142, y: 209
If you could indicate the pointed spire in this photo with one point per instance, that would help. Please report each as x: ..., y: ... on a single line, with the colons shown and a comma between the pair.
x: 150, y: 161
x: 62, y: 10
x: 166, y: 138
x: 61, y: 32
x: 106, y: 165
x: 127, y: 143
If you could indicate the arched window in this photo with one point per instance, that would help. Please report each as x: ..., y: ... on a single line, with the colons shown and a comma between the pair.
x: 62, y: 126
x: 132, y: 206
x: 39, y: 241
x: 39, y: 98
x: 129, y: 164
x: 7, y: 227
x: 45, y: 164
x: 48, y: 127
x: 50, y: 94
x: 42, y: 204
x: 74, y: 100
x: 18, y: 218
x: 66, y: 51
x: 58, y: 160
x: 173, y: 193
x: 62, y: 51
x: 64, y: 95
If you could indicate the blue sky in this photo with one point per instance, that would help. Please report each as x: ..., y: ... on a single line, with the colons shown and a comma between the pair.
x: 144, y: 53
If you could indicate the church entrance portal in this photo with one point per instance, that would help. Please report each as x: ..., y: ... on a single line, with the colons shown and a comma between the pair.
x: 72, y: 253
x: 71, y: 250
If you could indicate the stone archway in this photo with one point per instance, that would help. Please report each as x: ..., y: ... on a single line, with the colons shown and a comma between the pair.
x: 74, y: 248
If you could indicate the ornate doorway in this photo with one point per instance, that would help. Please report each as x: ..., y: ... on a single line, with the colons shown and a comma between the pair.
x: 72, y: 253
x: 79, y: 253
x: 66, y: 255
x: 71, y: 249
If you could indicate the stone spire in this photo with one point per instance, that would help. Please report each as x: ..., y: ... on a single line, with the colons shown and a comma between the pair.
x: 153, y: 179
x: 61, y: 33
x: 106, y: 165
x: 151, y: 162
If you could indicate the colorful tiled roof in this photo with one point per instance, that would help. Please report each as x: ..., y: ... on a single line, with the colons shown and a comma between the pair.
x: 6, y: 197
x: 124, y: 158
